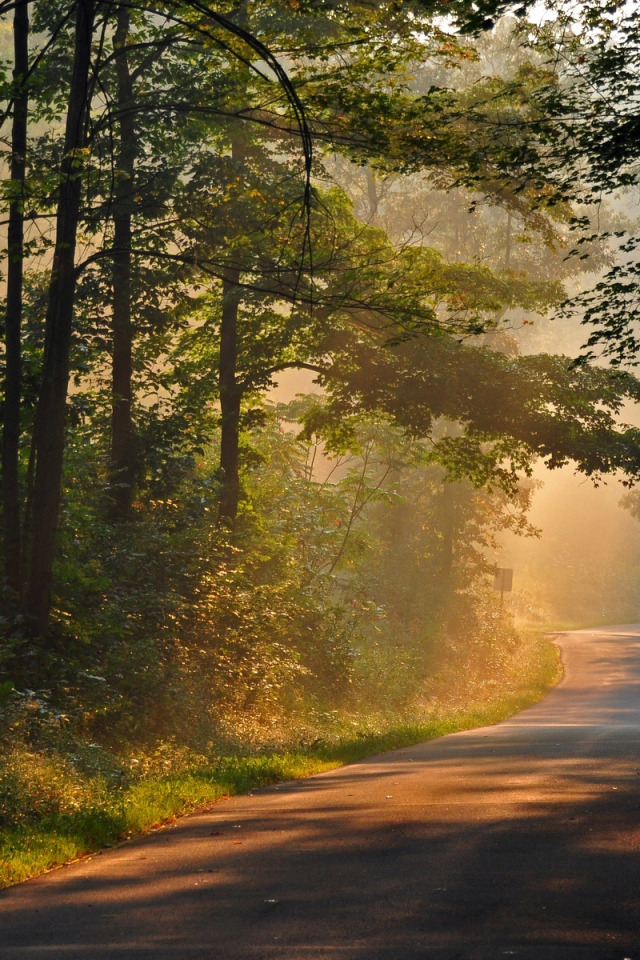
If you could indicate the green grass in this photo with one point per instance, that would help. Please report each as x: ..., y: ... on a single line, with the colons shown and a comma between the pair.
x: 33, y: 848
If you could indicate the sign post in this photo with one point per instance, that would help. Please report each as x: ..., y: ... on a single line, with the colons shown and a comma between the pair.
x: 503, y: 581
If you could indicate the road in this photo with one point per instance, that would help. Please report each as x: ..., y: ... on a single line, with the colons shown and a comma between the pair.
x: 520, y: 840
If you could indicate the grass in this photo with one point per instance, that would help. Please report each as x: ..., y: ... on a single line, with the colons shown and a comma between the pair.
x: 560, y: 626
x: 29, y: 849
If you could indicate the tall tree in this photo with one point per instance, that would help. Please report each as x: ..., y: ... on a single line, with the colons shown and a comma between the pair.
x: 48, y: 440
x: 197, y: 27
x: 230, y: 398
x: 122, y: 432
x: 360, y: 98
x: 11, y: 499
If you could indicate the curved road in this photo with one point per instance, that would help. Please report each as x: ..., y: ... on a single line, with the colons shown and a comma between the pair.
x: 520, y: 840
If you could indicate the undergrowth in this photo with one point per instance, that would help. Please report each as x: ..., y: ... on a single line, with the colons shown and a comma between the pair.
x: 68, y: 798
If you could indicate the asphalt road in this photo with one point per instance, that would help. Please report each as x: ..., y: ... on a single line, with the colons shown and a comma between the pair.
x: 520, y: 840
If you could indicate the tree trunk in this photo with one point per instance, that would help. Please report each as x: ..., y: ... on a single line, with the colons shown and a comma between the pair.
x: 48, y: 439
x: 122, y: 466
x: 449, y: 534
x: 372, y: 194
x: 13, y: 318
x: 230, y: 398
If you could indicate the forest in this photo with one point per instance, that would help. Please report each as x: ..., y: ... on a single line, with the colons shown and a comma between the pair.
x: 285, y: 287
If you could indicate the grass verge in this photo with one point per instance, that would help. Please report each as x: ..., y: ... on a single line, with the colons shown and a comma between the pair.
x: 32, y: 849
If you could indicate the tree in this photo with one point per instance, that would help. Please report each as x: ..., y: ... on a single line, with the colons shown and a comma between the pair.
x: 11, y: 503
x: 122, y: 462
x: 512, y: 409
x: 74, y: 175
x: 602, y: 133
x: 48, y: 439
x: 289, y: 268
x: 587, y: 129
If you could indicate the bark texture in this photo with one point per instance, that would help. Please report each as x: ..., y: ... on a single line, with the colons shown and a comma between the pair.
x: 48, y: 439
x: 122, y: 432
x: 230, y: 399
x: 11, y: 500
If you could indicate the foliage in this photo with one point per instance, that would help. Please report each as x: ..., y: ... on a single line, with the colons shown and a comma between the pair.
x: 173, y: 617
x: 214, y: 201
x: 584, y: 119
x: 513, y: 408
